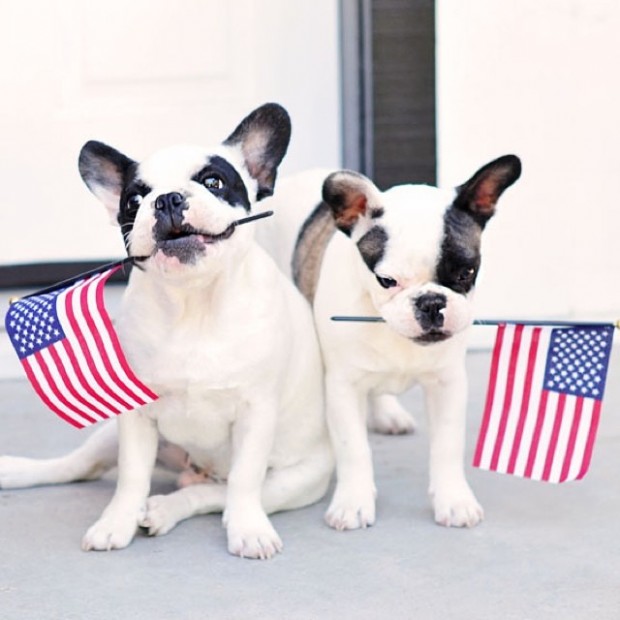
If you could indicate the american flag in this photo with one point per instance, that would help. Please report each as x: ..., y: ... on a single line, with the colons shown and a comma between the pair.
x: 71, y: 354
x: 544, y: 401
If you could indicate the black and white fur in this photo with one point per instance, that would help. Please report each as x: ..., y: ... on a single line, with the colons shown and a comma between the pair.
x: 213, y: 326
x: 410, y: 255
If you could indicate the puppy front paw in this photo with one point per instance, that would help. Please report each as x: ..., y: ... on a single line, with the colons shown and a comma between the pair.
x: 160, y: 515
x: 457, y: 508
x: 110, y: 532
x: 351, y: 509
x: 252, y: 536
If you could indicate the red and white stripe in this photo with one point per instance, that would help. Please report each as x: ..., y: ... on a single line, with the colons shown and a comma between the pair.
x: 526, y: 430
x: 85, y: 377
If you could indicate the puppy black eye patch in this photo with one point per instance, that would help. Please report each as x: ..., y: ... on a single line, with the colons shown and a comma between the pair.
x: 372, y: 246
x: 230, y: 186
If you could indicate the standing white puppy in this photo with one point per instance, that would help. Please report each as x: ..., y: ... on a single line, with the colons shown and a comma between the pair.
x: 410, y: 255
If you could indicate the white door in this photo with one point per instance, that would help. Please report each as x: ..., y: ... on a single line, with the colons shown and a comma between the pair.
x: 539, y: 79
x: 140, y: 74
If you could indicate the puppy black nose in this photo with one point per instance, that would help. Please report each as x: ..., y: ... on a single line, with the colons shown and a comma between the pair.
x: 428, y: 309
x: 169, y: 210
x: 169, y: 202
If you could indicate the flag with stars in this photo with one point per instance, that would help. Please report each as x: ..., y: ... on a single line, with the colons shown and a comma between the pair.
x: 544, y: 401
x: 71, y: 354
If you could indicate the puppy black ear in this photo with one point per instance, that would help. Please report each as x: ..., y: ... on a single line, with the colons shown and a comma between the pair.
x: 480, y: 194
x: 263, y: 138
x: 104, y: 170
x: 354, y: 201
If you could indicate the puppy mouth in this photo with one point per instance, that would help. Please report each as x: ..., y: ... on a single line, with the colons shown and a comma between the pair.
x: 187, y: 243
x: 186, y: 231
x: 431, y: 337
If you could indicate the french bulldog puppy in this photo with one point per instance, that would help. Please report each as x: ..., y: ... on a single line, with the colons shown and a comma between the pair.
x: 411, y: 256
x: 211, y: 324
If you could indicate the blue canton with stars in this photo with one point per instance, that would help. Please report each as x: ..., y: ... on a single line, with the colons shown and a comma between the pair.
x: 577, y: 361
x: 32, y: 324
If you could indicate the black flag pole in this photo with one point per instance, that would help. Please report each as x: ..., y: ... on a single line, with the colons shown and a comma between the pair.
x: 81, y: 276
x: 545, y: 323
x: 130, y: 260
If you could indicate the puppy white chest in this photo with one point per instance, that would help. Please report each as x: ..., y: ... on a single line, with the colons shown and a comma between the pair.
x: 198, y: 404
x: 201, y: 423
x: 197, y: 371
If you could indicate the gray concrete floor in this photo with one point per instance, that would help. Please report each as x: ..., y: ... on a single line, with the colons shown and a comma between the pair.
x: 543, y: 551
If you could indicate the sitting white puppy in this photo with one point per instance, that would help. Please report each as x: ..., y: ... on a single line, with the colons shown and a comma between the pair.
x: 411, y: 256
x: 211, y: 324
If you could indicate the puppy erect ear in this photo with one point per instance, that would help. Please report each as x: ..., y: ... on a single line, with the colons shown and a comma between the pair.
x: 353, y: 199
x: 104, y: 170
x: 480, y: 194
x: 263, y: 138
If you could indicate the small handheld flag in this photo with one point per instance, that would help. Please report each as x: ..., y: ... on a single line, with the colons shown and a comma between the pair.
x: 544, y: 401
x: 65, y: 341
x: 544, y: 396
x: 71, y: 354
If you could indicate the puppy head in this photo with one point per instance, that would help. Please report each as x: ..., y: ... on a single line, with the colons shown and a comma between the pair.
x: 420, y: 245
x: 178, y: 206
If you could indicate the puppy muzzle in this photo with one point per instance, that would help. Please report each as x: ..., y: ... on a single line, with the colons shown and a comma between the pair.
x: 429, y: 311
x: 175, y: 237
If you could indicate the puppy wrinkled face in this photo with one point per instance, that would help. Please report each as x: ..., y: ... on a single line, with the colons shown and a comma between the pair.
x: 181, y: 203
x: 420, y: 245
x: 423, y: 257
x: 179, y: 207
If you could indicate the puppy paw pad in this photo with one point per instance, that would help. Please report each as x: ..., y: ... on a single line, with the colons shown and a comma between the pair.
x: 257, y: 541
x: 109, y: 533
x: 158, y: 517
x: 351, y: 514
x: 458, y: 512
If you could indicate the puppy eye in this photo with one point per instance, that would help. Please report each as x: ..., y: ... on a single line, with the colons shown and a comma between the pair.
x: 213, y: 182
x: 386, y: 282
x: 133, y: 202
x: 466, y: 275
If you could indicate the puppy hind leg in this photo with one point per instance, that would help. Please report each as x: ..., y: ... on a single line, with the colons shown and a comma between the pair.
x: 89, y: 461
x: 300, y: 485
x: 284, y: 489
x: 389, y: 417
x: 163, y: 512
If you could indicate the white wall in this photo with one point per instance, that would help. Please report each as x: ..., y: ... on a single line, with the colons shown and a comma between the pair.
x: 142, y: 74
x: 538, y: 78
